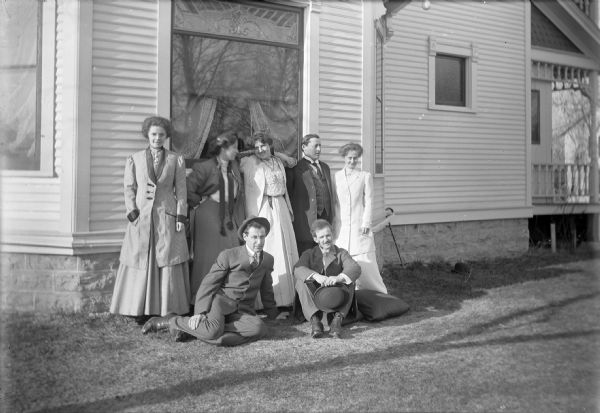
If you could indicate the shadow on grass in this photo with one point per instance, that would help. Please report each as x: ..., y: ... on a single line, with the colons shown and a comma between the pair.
x: 234, y: 378
x: 433, y: 286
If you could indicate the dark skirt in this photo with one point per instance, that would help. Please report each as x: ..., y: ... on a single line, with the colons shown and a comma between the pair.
x: 208, y: 241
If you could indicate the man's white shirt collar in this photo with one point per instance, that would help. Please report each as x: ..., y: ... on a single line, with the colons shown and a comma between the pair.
x: 310, y: 159
x: 250, y: 252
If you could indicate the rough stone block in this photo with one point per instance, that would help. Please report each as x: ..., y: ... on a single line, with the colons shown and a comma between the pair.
x: 27, y: 280
x: 96, y: 302
x: 17, y: 301
x: 100, y: 281
x: 99, y: 262
x: 51, y: 262
x: 67, y: 281
x: 68, y: 302
x: 11, y: 262
x: 454, y: 241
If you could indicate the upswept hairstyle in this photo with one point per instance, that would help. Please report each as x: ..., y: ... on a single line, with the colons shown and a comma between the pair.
x: 156, y: 121
x: 262, y: 137
x: 343, y: 151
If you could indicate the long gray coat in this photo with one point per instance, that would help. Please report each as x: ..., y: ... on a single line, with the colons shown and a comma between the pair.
x: 159, y: 199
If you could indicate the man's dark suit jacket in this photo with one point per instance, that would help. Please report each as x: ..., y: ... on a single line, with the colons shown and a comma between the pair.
x: 232, y: 285
x: 301, y: 189
x: 312, y: 261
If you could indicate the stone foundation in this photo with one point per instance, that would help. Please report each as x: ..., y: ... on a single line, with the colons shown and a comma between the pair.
x: 453, y: 241
x: 35, y: 282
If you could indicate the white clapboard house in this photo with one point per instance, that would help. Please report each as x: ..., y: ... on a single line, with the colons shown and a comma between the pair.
x: 443, y: 96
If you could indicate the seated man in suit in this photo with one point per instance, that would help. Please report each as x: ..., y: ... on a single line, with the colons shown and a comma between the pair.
x: 224, y: 309
x: 329, y: 266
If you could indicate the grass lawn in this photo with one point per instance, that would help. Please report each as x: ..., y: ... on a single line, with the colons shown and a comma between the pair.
x: 524, y: 338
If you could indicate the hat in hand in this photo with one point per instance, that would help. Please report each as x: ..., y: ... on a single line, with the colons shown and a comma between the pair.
x: 260, y: 220
x: 330, y: 298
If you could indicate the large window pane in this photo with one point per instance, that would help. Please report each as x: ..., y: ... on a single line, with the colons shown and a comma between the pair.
x: 19, y: 84
x: 221, y: 83
x: 450, y: 80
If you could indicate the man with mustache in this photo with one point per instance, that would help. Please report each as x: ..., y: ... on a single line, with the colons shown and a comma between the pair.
x: 325, y: 277
x: 310, y: 191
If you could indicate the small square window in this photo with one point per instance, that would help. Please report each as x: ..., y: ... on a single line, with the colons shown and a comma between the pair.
x: 452, y: 75
x: 450, y: 80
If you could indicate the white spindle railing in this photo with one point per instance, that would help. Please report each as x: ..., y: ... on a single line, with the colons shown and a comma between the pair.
x: 584, y: 5
x: 561, y: 183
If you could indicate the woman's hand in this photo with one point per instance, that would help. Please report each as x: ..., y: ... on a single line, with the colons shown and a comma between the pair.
x: 364, y: 230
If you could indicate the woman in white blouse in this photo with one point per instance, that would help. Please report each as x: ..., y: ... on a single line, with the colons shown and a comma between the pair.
x: 266, y: 196
x: 353, y: 189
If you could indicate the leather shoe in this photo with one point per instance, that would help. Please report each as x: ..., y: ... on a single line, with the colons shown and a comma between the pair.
x: 156, y: 324
x: 335, y: 327
x: 316, y: 326
x: 179, y: 336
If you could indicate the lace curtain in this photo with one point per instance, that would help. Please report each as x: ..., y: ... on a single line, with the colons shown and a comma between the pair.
x: 19, y: 140
x: 222, y: 85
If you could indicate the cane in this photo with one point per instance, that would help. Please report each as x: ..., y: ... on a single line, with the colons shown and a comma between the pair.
x: 390, y: 211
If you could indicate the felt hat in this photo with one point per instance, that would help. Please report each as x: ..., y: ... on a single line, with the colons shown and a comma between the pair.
x: 262, y: 221
x: 330, y: 298
x: 461, y: 268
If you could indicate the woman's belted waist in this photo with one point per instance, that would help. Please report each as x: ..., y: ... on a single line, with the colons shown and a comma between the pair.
x: 270, y: 199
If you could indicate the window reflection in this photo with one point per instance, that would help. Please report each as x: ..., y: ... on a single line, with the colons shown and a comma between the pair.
x: 222, y: 83
x: 19, y: 84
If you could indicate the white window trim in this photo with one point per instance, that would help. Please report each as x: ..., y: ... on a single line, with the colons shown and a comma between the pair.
x: 470, y: 52
x: 380, y: 31
x: 47, y: 97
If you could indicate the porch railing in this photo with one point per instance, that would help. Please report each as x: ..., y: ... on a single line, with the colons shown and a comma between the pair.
x: 561, y: 183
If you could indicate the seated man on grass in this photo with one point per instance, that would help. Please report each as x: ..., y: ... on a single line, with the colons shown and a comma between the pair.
x: 224, y: 309
x: 325, y: 276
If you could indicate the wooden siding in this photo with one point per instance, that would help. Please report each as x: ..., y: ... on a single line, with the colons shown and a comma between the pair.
x: 439, y: 161
x: 29, y: 204
x: 340, y: 78
x: 124, y: 92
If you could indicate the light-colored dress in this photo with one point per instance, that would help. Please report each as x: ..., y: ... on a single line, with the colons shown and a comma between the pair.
x: 153, y: 277
x: 353, y: 202
x: 266, y: 196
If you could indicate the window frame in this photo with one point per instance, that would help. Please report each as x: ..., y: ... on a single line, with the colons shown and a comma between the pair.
x: 45, y: 95
x: 536, y: 114
x: 301, y: 47
x: 379, y: 103
x: 470, y: 53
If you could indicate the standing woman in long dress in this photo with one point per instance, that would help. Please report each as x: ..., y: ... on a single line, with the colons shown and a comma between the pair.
x: 153, y: 275
x: 354, y: 196
x: 267, y: 197
x: 216, y: 193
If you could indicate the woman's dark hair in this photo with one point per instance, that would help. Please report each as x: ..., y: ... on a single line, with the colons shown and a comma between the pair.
x: 351, y: 147
x: 262, y: 137
x: 156, y: 121
x: 221, y: 142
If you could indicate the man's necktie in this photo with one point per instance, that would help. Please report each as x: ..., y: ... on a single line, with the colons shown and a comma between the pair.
x: 254, y: 263
x: 318, y: 168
